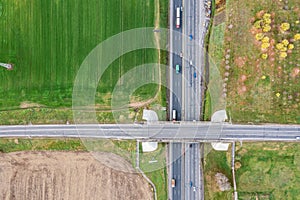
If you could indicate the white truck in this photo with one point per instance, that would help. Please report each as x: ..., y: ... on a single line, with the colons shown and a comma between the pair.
x: 178, y: 17
x: 174, y: 115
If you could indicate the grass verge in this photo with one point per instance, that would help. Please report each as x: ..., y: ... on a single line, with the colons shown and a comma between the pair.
x: 207, y: 107
x: 153, y: 164
x: 12, y: 145
x: 216, y: 162
x: 215, y: 51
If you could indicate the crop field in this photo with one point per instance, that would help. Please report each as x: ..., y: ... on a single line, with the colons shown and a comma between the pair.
x: 47, y: 41
x: 68, y: 175
x: 152, y: 163
x: 260, y: 64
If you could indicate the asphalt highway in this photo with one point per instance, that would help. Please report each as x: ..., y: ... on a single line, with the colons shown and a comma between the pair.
x: 176, y: 97
x: 175, y: 59
x: 191, y: 86
x: 163, y: 131
x: 194, y: 34
x: 192, y: 171
x: 176, y: 169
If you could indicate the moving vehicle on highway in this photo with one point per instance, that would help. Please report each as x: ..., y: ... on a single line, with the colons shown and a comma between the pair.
x: 173, y: 183
x: 177, y: 68
x: 178, y: 17
x: 191, y: 37
x: 174, y: 115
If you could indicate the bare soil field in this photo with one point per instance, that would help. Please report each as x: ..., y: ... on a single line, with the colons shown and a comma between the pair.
x: 67, y: 175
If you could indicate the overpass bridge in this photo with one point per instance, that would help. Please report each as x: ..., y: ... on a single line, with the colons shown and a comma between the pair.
x: 161, y: 131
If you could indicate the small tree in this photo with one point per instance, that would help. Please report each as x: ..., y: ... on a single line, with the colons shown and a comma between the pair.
x: 266, y: 28
x: 279, y: 46
x: 264, y: 56
x: 285, y: 42
x: 285, y: 26
x: 259, y: 36
x: 283, y: 55
x: 290, y: 46
x: 266, y: 39
x: 297, y: 36
x: 257, y: 24
x: 264, y: 45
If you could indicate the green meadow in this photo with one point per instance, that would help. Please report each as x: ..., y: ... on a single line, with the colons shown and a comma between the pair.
x: 48, y: 40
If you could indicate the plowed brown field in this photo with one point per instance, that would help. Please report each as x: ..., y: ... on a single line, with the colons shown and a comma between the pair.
x: 67, y: 175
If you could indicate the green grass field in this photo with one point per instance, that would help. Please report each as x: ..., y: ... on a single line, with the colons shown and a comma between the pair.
x: 263, y: 171
x: 216, y: 44
x: 125, y: 149
x: 216, y: 161
x: 12, y: 145
x: 215, y: 56
x: 268, y: 171
x: 154, y: 166
x: 47, y: 41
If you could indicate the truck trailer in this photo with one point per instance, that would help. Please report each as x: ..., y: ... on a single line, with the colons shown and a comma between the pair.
x: 174, y: 115
x: 178, y: 17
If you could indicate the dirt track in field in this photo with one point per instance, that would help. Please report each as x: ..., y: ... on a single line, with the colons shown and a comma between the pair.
x: 67, y: 175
